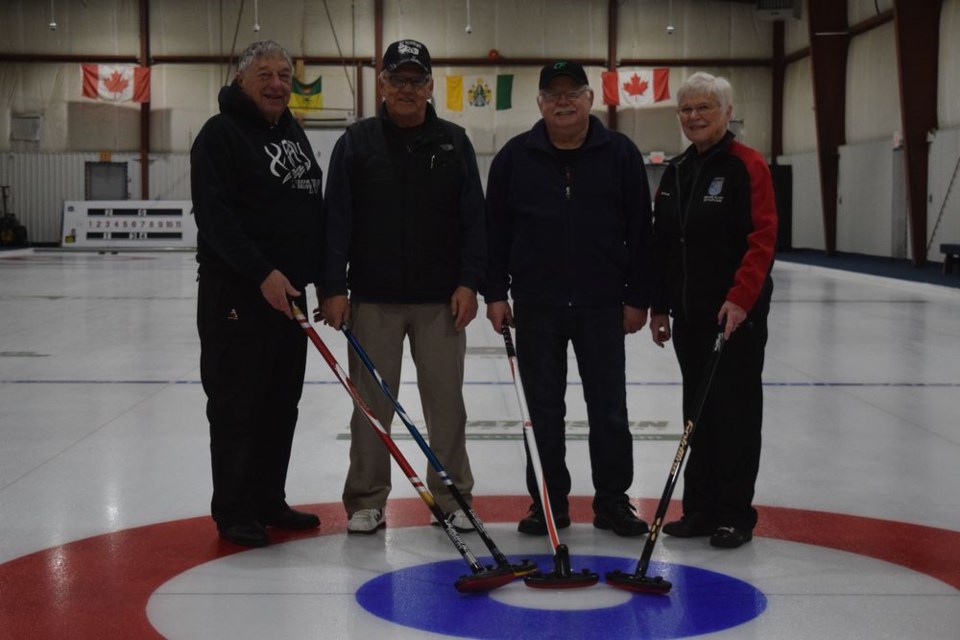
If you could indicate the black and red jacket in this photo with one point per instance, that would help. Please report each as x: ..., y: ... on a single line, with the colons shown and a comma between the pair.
x: 715, y: 232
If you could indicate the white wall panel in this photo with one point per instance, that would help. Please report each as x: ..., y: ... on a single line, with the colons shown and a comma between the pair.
x: 701, y: 29
x: 169, y: 176
x: 944, y: 168
x: 807, y: 203
x: 799, y: 116
x: 100, y: 27
x: 873, y: 98
x: 864, y: 210
x: 39, y: 183
x: 860, y: 10
x: 948, y: 86
x: 796, y: 33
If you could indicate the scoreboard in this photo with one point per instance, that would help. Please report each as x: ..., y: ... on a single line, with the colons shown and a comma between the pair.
x: 128, y: 224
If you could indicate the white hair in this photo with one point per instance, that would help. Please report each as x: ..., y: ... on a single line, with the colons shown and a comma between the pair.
x: 704, y: 84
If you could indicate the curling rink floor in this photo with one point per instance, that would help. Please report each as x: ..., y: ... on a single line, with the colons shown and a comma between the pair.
x: 105, y: 482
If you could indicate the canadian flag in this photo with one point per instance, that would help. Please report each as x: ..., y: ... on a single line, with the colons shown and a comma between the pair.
x: 635, y: 87
x: 116, y: 82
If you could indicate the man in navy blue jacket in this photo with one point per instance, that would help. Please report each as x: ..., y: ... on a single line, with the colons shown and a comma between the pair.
x: 568, y: 221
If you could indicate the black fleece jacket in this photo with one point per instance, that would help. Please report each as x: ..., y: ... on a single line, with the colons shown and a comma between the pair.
x: 256, y: 194
x: 404, y: 212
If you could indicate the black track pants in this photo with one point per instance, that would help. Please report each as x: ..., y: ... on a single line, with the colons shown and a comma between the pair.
x: 596, y: 334
x: 721, y: 470
x: 252, y: 363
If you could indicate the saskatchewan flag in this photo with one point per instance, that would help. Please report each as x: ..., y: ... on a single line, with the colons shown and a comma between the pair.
x: 306, y: 96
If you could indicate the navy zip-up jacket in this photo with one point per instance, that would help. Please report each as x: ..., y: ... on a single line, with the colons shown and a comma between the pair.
x: 569, y: 235
x: 256, y: 194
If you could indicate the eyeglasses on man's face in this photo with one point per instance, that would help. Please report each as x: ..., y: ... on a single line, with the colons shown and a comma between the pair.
x: 554, y: 96
x: 702, y: 110
x: 400, y: 81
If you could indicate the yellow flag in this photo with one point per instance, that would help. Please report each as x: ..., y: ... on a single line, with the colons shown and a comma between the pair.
x: 455, y: 93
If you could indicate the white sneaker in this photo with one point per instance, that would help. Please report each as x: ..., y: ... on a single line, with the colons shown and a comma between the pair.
x: 459, y: 520
x: 366, y: 521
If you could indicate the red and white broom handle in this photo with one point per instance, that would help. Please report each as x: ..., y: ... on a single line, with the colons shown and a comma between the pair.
x: 417, y: 483
x: 531, y: 440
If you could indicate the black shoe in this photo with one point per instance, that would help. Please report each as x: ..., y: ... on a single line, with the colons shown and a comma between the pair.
x: 730, y: 537
x: 246, y: 534
x: 621, y: 518
x: 690, y: 527
x: 535, y: 524
x: 291, y: 519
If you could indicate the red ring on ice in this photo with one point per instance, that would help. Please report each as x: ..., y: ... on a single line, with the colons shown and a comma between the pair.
x: 98, y: 587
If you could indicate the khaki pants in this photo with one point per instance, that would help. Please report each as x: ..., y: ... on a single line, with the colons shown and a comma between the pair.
x: 438, y: 352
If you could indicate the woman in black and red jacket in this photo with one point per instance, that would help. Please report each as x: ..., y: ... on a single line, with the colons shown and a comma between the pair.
x: 715, y: 230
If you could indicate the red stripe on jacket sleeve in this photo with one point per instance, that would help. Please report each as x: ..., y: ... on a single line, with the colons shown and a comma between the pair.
x: 762, y: 241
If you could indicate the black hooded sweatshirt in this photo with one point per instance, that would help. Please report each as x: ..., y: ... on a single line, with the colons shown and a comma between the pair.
x: 256, y: 194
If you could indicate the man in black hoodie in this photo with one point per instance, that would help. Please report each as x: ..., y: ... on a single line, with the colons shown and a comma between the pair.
x: 256, y: 196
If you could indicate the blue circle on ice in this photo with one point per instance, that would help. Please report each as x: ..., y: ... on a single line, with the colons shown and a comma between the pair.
x: 701, y: 601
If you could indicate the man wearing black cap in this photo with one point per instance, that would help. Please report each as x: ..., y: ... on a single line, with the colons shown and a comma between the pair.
x: 568, y: 217
x: 406, y: 237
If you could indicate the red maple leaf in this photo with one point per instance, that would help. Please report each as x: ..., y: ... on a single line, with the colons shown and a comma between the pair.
x: 636, y: 86
x: 116, y: 83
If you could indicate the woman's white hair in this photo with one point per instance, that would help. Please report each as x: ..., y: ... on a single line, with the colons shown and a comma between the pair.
x: 262, y: 49
x: 704, y: 84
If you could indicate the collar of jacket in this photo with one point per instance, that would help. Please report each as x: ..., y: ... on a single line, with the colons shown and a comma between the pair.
x: 597, y: 136
x: 429, y: 119
x: 233, y: 100
x: 691, y: 151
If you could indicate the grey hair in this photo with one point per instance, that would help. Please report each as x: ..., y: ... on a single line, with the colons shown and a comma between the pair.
x: 262, y: 49
x: 704, y: 84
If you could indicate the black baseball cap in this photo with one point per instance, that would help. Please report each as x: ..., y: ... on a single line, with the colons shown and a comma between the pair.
x: 404, y: 51
x: 562, y: 68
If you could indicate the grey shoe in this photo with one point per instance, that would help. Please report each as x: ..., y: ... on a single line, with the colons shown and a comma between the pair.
x: 459, y: 520
x: 366, y: 521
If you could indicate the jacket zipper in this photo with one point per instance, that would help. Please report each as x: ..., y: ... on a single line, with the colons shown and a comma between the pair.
x: 683, y: 224
x: 568, y: 192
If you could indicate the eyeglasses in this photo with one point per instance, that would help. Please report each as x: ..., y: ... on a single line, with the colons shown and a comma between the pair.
x: 701, y: 110
x: 415, y: 82
x: 554, y: 96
